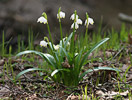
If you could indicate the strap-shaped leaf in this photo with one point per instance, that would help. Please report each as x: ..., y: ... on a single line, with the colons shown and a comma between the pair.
x: 49, y: 58
x: 68, y: 39
x: 65, y: 43
x: 28, y: 70
x: 97, y: 69
x: 29, y: 51
x: 77, y: 60
x: 57, y: 70
x: 91, y: 50
x: 65, y: 52
x: 50, y: 44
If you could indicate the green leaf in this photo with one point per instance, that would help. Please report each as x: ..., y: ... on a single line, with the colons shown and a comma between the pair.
x: 97, y: 69
x: 29, y: 51
x: 91, y: 50
x: 50, y: 44
x: 57, y: 70
x: 28, y: 70
x: 77, y: 61
x: 65, y: 52
x: 49, y: 58
x: 65, y: 43
x: 68, y: 39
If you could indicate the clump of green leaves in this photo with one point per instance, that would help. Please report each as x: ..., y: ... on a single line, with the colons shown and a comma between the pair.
x: 65, y: 59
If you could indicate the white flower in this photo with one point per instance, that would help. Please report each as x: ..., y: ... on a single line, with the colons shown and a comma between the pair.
x: 64, y: 39
x: 76, y: 25
x: 76, y: 54
x: 79, y: 21
x: 42, y: 20
x: 61, y: 15
x: 73, y: 16
x: 43, y: 43
x: 89, y: 21
x: 56, y: 47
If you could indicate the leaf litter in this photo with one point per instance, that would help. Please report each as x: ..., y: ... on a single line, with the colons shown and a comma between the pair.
x: 102, y: 84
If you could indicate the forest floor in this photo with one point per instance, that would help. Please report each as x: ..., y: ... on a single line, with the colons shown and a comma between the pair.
x: 98, y: 85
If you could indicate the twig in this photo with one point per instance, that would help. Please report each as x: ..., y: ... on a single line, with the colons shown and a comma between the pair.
x: 117, y: 83
x: 116, y: 55
x: 32, y: 81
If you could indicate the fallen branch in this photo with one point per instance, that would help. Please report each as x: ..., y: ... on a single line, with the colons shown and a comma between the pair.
x: 125, y: 18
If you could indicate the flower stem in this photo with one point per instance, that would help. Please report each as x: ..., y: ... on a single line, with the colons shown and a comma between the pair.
x: 61, y: 33
x: 86, y: 35
x: 50, y: 36
x: 86, y: 31
x: 72, y: 47
x: 86, y: 27
x: 72, y: 42
x: 51, y: 43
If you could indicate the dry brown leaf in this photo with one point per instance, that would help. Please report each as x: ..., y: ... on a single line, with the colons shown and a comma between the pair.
x: 130, y: 38
x: 73, y: 97
x: 100, y: 93
x: 111, y: 94
x: 124, y: 67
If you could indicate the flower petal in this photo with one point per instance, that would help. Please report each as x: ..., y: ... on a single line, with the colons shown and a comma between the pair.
x: 79, y: 21
x: 90, y: 20
x: 61, y: 15
x: 76, y: 26
x: 43, y: 43
x: 73, y: 16
x: 85, y: 22
x: 56, y: 47
x: 42, y: 20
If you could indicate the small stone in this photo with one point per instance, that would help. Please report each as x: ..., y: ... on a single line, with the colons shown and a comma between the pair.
x: 2, y: 62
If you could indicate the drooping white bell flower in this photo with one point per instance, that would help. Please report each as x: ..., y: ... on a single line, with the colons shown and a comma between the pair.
x: 73, y: 17
x: 61, y: 15
x: 89, y: 21
x: 76, y: 25
x: 56, y: 47
x: 43, y: 43
x: 42, y: 20
x: 79, y: 21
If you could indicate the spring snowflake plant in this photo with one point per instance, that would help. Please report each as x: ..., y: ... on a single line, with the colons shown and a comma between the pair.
x: 64, y: 60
